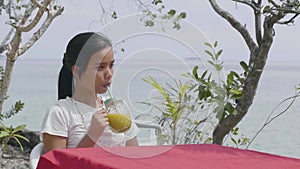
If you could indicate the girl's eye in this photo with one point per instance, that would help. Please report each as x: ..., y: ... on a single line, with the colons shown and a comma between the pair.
x: 101, y: 68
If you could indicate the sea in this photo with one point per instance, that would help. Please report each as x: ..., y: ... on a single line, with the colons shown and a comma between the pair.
x: 34, y: 82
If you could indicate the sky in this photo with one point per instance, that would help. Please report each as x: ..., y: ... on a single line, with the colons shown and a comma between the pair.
x: 80, y: 16
x: 202, y: 24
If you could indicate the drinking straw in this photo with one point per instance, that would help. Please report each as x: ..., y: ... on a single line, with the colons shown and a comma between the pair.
x: 111, y: 98
x: 109, y: 92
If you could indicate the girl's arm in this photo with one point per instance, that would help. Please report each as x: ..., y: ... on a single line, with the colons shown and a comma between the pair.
x: 53, y: 142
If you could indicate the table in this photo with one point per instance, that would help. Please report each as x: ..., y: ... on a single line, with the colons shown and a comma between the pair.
x: 193, y: 156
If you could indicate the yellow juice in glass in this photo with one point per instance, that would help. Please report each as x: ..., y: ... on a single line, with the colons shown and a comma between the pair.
x: 118, y: 116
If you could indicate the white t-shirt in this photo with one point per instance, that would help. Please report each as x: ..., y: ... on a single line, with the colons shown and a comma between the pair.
x: 64, y: 119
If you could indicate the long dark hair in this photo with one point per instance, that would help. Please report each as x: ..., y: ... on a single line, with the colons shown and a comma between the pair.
x: 79, y: 51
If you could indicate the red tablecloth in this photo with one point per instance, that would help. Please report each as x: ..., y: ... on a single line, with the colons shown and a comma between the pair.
x: 206, y: 156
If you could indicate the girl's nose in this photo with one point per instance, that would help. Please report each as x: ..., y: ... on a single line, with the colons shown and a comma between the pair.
x: 109, y: 73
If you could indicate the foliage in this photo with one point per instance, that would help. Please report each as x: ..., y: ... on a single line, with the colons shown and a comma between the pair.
x: 152, y: 12
x: 178, y: 115
x: 184, y: 104
x: 11, y: 133
x: 215, y: 90
x: 222, y: 94
x: 171, y: 16
x: 7, y: 134
x: 266, y: 14
x: 238, y: 140
x: 13, y: 111
x: 15, y: 108
x: 210, y: 92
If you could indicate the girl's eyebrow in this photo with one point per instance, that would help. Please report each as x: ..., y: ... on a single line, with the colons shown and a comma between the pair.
x: 103, y: 63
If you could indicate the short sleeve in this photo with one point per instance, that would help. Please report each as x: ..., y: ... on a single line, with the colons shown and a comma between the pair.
x: 55, y: 122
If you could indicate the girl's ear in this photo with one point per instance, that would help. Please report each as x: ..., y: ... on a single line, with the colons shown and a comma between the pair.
x: 75, y: 71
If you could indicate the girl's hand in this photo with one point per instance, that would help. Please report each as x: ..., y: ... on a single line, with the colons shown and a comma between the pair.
x: 98, y: 123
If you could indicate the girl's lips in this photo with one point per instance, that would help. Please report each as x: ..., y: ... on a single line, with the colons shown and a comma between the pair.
x: 106, y: 85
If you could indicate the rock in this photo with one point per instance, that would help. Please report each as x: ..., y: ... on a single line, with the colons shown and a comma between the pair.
x: 32, y: 136
x: 12, y: 157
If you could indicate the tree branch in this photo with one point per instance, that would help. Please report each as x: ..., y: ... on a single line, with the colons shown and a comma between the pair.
x: 38, y: 16
x: 249, y: 3
x: 257, y: 20
x: 274, y: 3
x: 288, y: 10
x: 27, y: 14
x: 291, y: 20
x: 38, y: 34
x: 237, y: 25
x: 269, y: 119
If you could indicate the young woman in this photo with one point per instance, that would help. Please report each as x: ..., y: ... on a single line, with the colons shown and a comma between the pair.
x: 78, y: 118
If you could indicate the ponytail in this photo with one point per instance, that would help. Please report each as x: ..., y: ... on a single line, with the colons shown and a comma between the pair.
x: 65, y: 84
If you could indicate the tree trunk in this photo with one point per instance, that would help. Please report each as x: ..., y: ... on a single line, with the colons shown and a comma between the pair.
x: 17, y: 50
x: 258, y: 56
x: 9, y: 65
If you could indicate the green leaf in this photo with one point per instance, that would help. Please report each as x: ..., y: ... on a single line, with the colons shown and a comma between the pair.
x: 195, y: 72
x: 208, y: 44
x: 149, y: 23
x: 236, y: 96
x: 229, y: 79
x: 176, y: 25
x: 235, y: 131
x: 172, y: 12
x: 17, y: 140
x: 235, y: 91
x: 212, y: 63
x: 235, y: 112
x: 234, y: 74
x: 155, y: 2
x: 4, y: 134
x: 216, y: 44
x: 244, y: 65
x: 22, y: 137
x: 234, y: 141
x: 18, y: 128
x: 161, y: 90
x: 114, y: 15
x: 182, y: 15
x: 209, y: 53
x: 229, y: 108
x: 266, y: 9
x: 204, y: 74
x: 218, y: 54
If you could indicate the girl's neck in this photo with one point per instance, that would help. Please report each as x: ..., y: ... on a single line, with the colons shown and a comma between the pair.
x: 90, y: 99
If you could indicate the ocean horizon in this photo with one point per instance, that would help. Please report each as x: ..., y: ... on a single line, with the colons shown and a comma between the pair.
x: 34, y: 82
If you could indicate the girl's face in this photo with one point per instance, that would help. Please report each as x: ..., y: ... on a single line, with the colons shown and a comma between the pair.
x: 99, y: 72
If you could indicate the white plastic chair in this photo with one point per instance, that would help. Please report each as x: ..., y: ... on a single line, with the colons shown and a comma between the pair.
x: 35, y: 154
x: 150, y: 133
